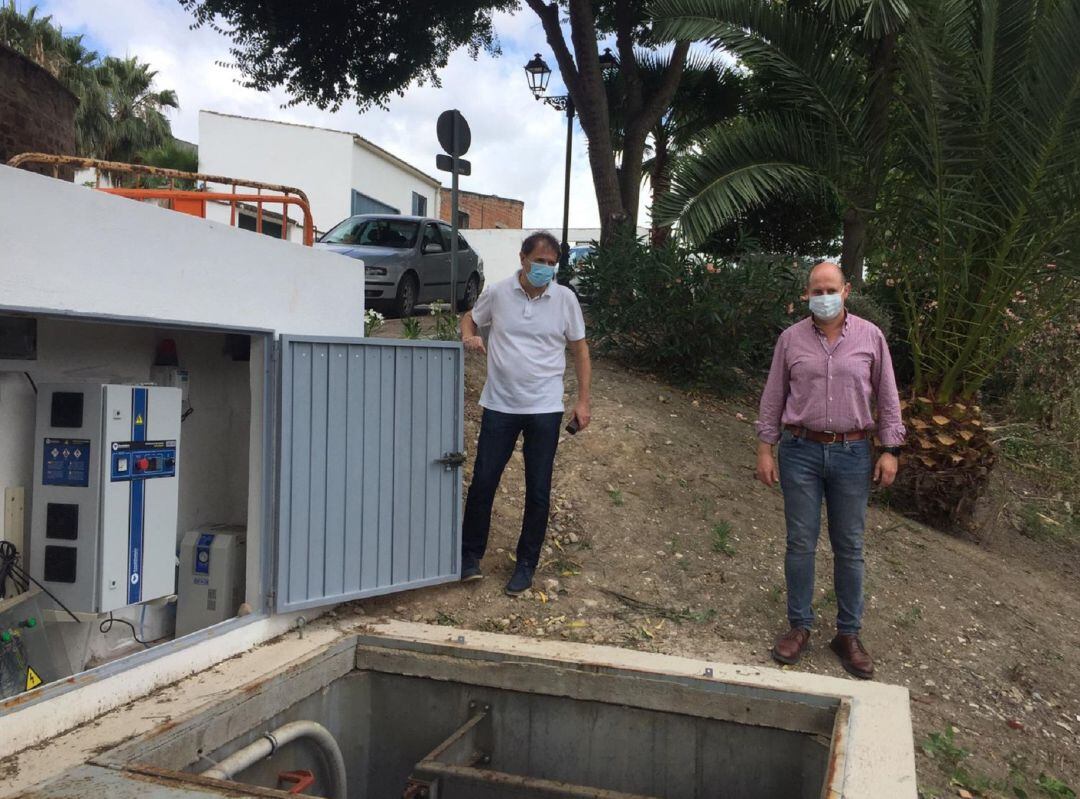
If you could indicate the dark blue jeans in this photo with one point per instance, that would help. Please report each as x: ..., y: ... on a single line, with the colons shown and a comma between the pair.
x: 498, y: 434
x: 839, y: 473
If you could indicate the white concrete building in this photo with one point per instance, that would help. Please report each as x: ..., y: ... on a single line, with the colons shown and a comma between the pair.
x: 341, y: 173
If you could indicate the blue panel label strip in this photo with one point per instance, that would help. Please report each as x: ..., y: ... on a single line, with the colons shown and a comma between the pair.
x: 132, y: 460
x: 137, y: 510
x: 66, y: 462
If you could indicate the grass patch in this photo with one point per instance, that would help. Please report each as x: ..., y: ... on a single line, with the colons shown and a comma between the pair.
x: 616, y: 496
x: 721, y: 539
x: 776, y: 593
x: 564, y: 567
x: 446, y: 619
x: 941, y: 746
x: 909, y: 617
x: 828, y: 599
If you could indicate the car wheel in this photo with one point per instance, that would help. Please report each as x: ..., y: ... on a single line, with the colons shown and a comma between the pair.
x: 405, y: 304
x: 472, y: 292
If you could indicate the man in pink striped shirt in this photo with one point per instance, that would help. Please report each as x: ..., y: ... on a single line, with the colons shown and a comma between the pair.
x: 826, y: 373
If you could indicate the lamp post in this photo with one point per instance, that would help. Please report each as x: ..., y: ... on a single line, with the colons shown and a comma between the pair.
x: 538, y: 74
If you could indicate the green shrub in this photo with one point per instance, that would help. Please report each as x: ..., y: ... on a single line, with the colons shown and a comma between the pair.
x: 446, y: 321
x: 683, y: 315
x: 866, y: 305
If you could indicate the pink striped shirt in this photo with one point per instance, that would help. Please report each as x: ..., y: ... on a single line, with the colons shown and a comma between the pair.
x: 828, y: 387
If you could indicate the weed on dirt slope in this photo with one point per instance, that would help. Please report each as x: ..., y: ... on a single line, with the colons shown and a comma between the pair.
x: 661, y: 540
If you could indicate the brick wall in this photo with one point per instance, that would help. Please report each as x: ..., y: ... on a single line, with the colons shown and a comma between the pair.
x: 37, y: 114
x: 485, y: 210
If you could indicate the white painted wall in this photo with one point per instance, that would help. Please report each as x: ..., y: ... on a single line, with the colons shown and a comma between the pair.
x: 386, y: 181
x: 326, y: 164
x: 69, y: 249
x: 314, y: 160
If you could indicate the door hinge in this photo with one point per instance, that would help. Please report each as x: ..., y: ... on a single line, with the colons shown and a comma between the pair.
x: 452, y: 460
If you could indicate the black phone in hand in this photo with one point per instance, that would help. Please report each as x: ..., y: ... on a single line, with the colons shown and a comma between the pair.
x: 573, y: 426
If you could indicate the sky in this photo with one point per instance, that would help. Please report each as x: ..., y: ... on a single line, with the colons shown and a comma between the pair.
x: 518, y: 144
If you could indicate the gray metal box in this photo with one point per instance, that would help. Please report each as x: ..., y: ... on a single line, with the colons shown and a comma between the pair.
x: 211, y: 583
x: 106, y: 494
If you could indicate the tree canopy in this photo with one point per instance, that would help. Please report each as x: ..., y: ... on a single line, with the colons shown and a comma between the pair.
x: 329, y: 52
x: 120, y: 113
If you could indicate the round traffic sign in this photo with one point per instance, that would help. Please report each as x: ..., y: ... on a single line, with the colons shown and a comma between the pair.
x: 451, y: 122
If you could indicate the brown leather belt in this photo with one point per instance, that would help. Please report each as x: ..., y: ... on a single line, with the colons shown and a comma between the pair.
x: 826, y: 437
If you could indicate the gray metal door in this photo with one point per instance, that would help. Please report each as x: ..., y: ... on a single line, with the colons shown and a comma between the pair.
x: 366, y: 505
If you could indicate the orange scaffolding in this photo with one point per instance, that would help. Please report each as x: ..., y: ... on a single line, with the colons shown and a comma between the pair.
x: 186, y: 201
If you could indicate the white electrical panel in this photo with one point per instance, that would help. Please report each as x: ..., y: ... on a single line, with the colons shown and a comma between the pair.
x: 211, y: 584
x: 106, y: 493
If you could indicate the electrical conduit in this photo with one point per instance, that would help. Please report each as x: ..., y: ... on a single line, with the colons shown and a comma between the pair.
x: 270, y: 742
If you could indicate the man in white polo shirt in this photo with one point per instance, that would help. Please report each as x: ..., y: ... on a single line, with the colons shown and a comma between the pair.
x: 532, y: 319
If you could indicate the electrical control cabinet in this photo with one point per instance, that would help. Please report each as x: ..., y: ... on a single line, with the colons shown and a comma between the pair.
x: 211, y: 584
x: 106, y: 492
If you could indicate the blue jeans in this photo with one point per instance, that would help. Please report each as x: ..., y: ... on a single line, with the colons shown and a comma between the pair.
x: 839, y: 473
x: 498, y: 434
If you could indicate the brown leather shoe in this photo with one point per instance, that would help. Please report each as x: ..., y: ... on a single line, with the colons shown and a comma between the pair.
x: 853, y: 656
x: 790, y: 646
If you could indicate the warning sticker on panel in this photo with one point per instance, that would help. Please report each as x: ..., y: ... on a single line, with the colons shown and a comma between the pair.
x: 32, y: 680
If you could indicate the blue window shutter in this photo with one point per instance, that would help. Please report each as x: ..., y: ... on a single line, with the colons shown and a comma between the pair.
x: 362, y: 204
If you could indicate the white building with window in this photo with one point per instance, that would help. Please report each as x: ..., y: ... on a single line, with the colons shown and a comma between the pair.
x: 341, y: 173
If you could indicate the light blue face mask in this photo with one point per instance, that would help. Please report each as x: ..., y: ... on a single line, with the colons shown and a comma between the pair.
x: 826, y: 306
x: 540, y: 275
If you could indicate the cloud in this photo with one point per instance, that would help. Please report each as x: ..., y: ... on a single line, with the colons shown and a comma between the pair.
x: 518, y: 145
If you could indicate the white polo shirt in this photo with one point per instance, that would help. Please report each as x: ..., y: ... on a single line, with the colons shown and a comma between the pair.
x: 527, y: 345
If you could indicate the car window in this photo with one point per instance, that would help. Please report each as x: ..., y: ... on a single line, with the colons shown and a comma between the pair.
x: 447, y: 232
x: 398, y: 234
x: 431, y: 236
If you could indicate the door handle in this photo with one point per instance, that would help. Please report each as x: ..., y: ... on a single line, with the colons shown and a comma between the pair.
x: 452, y: 460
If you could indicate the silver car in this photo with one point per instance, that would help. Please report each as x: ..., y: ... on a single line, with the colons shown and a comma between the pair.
x: 407, y: 261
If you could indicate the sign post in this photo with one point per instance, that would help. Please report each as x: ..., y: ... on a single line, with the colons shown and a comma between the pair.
x: 455, y: 138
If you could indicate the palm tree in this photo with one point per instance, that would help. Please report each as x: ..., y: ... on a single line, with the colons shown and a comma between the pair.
x: 984, y: 220
x: 708, y: 94
x: 118, y: 112
x: 829, y: 66
x: 135, y: 118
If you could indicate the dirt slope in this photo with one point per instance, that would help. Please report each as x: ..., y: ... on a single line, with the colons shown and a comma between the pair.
x: 662, y: 540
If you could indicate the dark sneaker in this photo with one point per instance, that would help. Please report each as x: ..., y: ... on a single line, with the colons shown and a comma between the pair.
x: 853, y: 656
x: 470, y: 572
x: 789, y: 647
x: 521, y: 581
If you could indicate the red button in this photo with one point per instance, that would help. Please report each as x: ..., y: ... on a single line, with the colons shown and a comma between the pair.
x: 142, y: 464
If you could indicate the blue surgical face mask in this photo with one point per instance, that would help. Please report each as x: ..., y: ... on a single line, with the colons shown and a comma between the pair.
x: 540, y: 274
x: 826, y: 306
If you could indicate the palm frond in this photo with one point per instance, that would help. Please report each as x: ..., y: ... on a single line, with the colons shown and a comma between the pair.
x: 781, y: 44
x: 742, y: 167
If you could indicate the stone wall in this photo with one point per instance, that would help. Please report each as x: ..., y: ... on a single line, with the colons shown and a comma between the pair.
x: 485, y: 211
x: 37, y: 114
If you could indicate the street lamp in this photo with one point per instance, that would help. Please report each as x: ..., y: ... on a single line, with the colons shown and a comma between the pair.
x: 538, y: 73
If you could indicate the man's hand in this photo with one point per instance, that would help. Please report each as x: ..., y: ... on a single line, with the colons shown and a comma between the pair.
x: 766, y: 471
x: 885, y: 470
x: 474, y: 344
x: 583, y: 414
